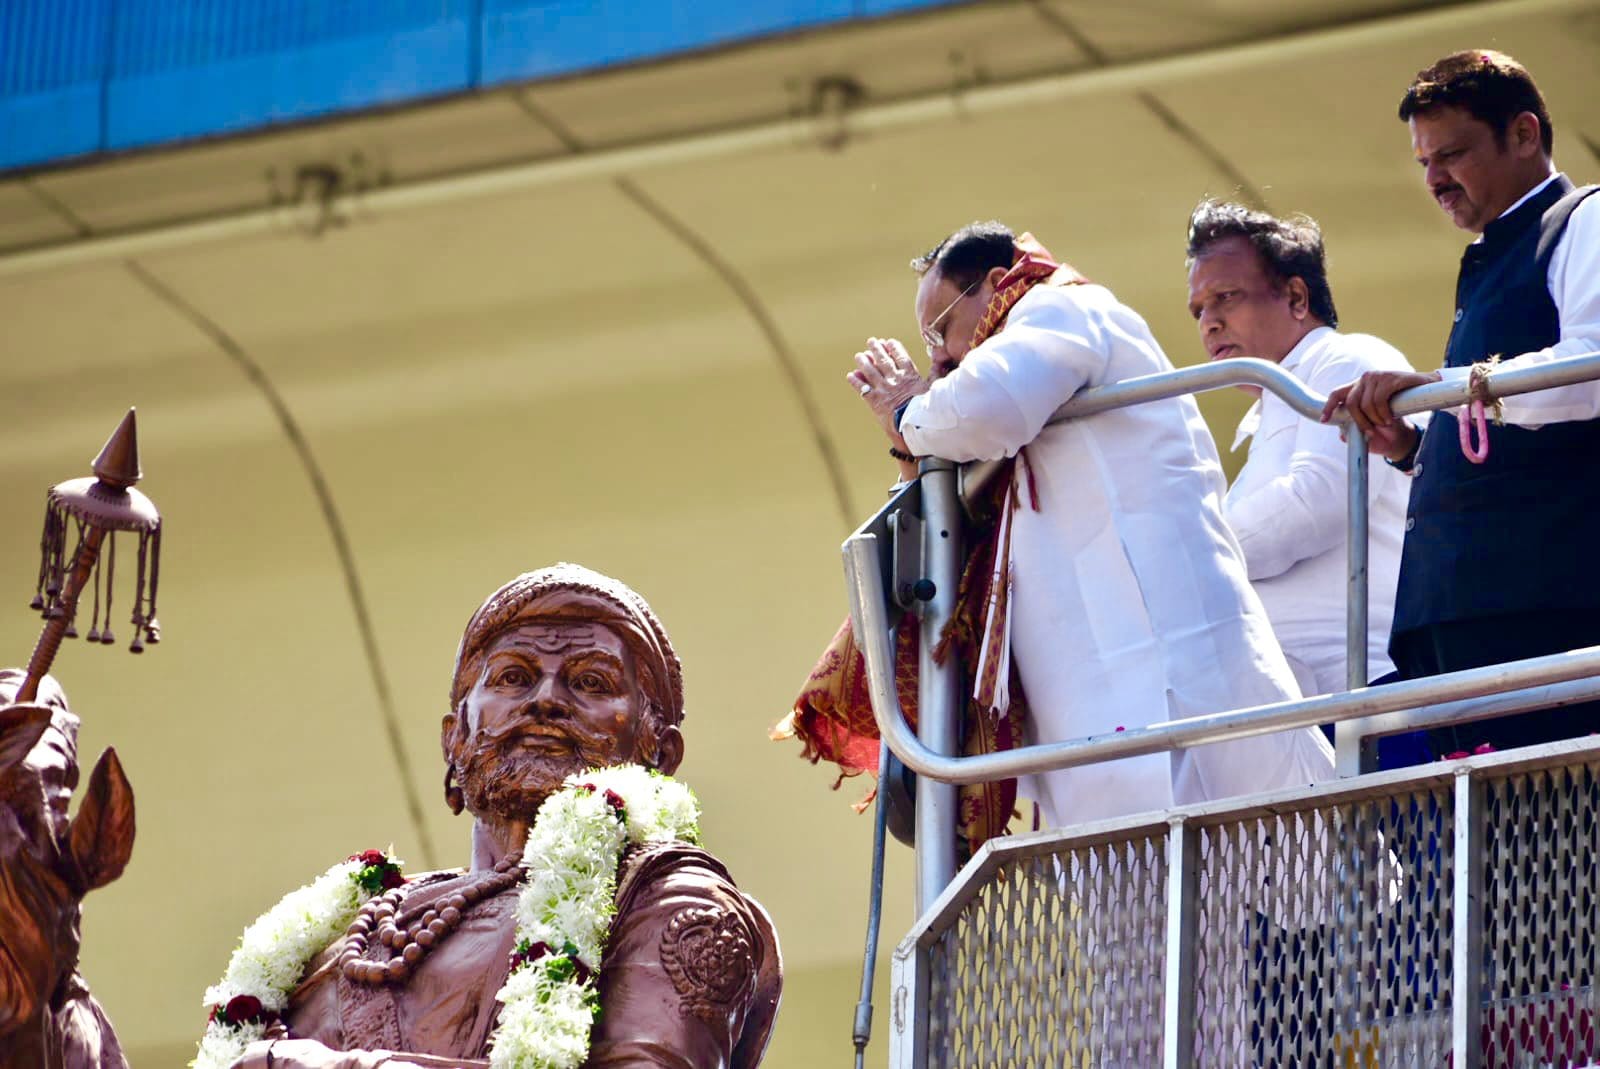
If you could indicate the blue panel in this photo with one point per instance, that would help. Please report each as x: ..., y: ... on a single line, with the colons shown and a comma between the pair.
x: 259, y: 86
x: 532, y: 39
x: 81, y: 76
x: 163, y: 35
x: 52, y: 125
x: 52, y: 53
x: 48, y: 44
x: 896, y: 7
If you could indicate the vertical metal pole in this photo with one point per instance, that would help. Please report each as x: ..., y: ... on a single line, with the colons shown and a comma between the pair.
x: 939, y: 687
x: 1355, y: 651
x: 861, y: 1033
x: 1467, y: 972
x: 1348, y: 734
x: 1183, y: 890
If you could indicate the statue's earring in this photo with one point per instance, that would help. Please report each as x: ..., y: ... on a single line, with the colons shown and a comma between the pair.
x: 452, y: 793
x: 455, y: 729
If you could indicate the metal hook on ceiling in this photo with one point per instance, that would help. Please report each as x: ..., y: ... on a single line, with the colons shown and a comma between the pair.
x: 832, y: 98
x: 324, y: 195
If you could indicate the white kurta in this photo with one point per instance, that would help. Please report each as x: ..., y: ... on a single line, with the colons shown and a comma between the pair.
x: 1130, y: 603
x: 1288, y: 509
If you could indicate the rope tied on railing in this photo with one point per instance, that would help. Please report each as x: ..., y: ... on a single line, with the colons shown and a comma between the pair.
x: 1475, y: 415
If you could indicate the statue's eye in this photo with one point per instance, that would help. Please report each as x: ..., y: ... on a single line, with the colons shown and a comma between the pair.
x: 592, y: 683
x: 513, y: 676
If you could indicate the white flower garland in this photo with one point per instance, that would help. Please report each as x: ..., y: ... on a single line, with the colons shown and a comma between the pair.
x: 273, y: 952
x: 564, y: 915
x: 565, y: 910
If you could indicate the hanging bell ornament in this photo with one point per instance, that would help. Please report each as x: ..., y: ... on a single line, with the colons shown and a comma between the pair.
x: 92, y: 511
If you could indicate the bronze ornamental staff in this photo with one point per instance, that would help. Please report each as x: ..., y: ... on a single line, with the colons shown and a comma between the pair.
x: 99, y: 505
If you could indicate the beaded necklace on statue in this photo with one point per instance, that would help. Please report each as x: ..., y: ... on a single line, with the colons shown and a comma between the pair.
x: 413, y: 942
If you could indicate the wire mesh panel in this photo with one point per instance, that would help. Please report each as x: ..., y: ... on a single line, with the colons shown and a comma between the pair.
x: 1323, y: 936
x: 1057, y: 962
x: 1322, y: 932
x: 1541, y: 915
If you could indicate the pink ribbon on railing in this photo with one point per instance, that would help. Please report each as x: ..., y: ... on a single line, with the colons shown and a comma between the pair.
x: 1474, y: 416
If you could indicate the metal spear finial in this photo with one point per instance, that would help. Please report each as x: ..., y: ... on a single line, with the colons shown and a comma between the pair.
x: 95, y: 507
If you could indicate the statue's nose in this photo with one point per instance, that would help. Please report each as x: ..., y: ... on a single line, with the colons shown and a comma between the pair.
x: 550, y: 700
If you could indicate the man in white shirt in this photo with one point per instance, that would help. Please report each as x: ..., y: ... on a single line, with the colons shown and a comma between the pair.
x: 1127, y: 592
x: 1499, y: 551
x: 1258, y: 287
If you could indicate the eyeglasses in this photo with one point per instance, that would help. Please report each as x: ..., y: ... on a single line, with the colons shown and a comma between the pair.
x: 932, y: 336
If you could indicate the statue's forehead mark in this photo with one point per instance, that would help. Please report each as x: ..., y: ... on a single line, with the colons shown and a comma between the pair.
x: 557, y: 638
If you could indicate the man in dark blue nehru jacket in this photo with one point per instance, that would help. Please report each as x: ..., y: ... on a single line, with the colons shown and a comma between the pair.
x: 1498, y: 557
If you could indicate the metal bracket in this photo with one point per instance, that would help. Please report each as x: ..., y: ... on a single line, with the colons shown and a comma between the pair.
x: 908, y: 586
x: 833, y: 97
x: 907, y: 579
x: 324, y: 195
x: 966, y: 71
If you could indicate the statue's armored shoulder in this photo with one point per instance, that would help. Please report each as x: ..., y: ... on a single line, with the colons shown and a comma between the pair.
x: 688, y: 945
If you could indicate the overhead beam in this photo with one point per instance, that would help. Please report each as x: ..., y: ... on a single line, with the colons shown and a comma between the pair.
x: 633, y: 159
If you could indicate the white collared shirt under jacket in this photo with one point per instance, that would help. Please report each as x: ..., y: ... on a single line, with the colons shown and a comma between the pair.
x: 1287, y: 507
x: 1130, y: 604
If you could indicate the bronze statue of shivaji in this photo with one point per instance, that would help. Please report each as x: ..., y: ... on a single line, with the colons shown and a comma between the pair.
x: 588, y: 928
x: 48, y: 863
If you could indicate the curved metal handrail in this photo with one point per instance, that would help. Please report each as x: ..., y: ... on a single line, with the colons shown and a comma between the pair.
x: 1307, y: 402
x: 1532, y: 683
x: 1204, y: 378
x: 1450, y: 696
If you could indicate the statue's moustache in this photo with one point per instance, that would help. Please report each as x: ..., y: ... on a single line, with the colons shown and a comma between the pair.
x: 530, y: 725
x: 507, y: 743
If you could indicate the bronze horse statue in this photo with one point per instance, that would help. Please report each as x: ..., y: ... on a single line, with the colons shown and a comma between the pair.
x: 48, y: 863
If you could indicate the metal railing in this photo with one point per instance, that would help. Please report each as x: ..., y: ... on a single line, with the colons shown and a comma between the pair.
x: 1433, y: 916
x: 909, y: 556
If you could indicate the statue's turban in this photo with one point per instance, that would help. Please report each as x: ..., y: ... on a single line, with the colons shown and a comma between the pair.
x: 573, y: 592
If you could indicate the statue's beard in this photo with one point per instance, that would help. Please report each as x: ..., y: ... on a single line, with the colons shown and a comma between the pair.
x: 503, y: 777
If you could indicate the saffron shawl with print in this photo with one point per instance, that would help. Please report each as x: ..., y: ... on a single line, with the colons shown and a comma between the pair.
x: 833, y: 717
